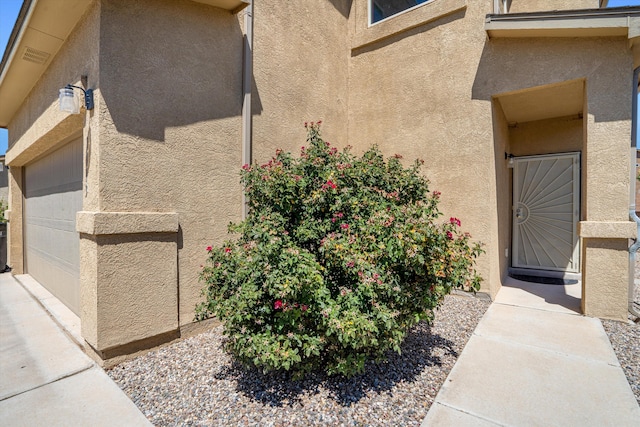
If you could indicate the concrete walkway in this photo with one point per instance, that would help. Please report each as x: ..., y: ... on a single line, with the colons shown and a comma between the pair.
x: 45, y: 377
x: 533, y: 360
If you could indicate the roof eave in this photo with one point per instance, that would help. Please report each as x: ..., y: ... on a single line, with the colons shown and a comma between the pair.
x: 19, y: 76
x: 610, y: 22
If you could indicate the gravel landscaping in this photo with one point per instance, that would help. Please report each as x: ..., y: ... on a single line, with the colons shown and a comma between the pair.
x: 194, y: 382
x: 625, y: 339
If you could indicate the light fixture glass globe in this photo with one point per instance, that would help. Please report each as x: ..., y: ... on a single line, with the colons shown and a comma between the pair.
x: 68, y: 102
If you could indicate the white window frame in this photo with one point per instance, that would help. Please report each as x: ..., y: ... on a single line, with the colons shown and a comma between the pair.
x: 371, y: 23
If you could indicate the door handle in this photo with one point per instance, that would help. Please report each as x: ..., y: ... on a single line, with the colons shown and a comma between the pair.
x: 519, y: 213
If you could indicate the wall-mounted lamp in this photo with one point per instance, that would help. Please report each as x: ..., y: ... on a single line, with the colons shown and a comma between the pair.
x: 510, y: 157
x: 69, y: 103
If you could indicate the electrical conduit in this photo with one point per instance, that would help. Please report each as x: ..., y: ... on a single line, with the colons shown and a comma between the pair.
x: 247, y: 83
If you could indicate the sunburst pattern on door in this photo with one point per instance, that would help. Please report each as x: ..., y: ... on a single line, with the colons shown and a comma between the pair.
x: 545, y: 212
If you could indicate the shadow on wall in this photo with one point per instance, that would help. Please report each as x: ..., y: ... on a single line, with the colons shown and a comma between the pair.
x: 408, y: 33
x: 342, y: 6
x: 160, y: 68
x: 513, y: 64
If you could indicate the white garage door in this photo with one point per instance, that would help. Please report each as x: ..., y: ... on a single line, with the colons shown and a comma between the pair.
x: 53, y: 195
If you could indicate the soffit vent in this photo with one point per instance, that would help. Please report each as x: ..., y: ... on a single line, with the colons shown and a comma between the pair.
x: 34, y: 55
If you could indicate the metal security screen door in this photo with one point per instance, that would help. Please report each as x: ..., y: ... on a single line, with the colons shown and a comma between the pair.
x: 546, y: 203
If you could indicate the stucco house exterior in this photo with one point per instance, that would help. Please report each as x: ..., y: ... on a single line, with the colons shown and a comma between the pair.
x: 522, y: 111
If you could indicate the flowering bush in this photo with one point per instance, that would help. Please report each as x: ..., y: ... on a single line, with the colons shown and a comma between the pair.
x: 337, y: 258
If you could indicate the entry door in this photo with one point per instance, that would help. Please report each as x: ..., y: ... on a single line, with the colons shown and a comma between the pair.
x: 546, y: 204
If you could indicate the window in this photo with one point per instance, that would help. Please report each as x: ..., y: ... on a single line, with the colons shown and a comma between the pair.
x: 382, y: 9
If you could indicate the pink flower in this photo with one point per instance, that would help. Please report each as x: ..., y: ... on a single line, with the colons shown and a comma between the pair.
x: 339, y: 215
x: 344, y: 226
x: 209, y: 248
x: 449, y: 235
x: 246, y: 166
x: 277, y: 305
x: 455, y: 221
x: 329, y: 184
x: 304, y: 307
x: 436, y: 194
x: 351, y: 264
x: 319, y: 122
x: 227, y: 250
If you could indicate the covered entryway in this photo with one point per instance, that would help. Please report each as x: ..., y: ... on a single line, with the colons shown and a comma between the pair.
x: 53, y: 195
x: 540, y: 134
x: 546, y: 200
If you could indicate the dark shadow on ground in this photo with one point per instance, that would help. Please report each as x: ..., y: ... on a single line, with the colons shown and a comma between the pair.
x: 552, y: 294
x: 279, y: 388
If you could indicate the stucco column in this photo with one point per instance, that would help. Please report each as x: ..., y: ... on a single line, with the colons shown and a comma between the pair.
x: 606, y: 229
x: 15, y: 244
x: 605, y: 268
x: 129, y: 279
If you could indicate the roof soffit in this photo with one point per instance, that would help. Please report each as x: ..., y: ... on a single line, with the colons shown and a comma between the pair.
x: 546, y: 102
x: 44, y: 30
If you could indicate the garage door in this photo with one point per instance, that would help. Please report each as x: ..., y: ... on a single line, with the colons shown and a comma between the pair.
x: 53, y: 195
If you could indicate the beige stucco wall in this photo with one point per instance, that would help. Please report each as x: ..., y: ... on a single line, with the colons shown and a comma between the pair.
x: 169, y: 139
x: 411, y: 93
x: 164, y: 137
x: 533, y: 62
x: 503, y: 196
x: 604, y: 286
x: 133, y: 303
x: 550, y: 136
x: 39, y: 127
x: 15, y: 257
x: 301, y: 73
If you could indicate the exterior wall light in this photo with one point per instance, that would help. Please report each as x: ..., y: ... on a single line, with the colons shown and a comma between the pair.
x: 69, y: 103
x: 510, y: 157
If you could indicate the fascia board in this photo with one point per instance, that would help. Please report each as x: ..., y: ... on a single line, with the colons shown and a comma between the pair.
x: 573, y: 23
